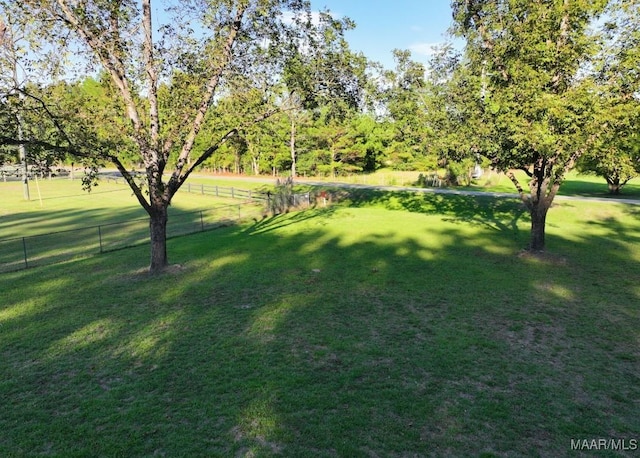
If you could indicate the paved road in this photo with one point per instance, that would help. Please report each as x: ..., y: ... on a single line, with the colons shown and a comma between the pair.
x: 458, y: 192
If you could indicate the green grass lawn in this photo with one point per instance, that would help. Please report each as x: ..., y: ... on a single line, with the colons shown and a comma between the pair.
x: 575, y: 184
x: 60, y: 204
x: 399, y: 325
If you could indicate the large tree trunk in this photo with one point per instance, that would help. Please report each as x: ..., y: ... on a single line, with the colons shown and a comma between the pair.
x: 158, y: 232
x: 538, y: 201
x: 538, y: 214
x: 614, y: 185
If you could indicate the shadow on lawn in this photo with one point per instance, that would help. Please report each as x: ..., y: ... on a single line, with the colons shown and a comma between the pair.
x: 53, y: 220
x: 292, y: 338
x: 496, y: 213
x: 271, y: 223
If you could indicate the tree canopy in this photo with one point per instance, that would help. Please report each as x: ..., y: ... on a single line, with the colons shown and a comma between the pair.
x: 616, y: 154
x: 168, y: 77
x: 518, y: 95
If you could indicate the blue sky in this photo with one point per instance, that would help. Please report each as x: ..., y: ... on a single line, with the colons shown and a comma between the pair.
x: 384, y: 25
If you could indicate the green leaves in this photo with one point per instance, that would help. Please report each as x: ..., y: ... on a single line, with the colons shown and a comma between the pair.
x: 524, y: 58
x: 615, y: 155
x: 324, y: 71
x: 521, y: 95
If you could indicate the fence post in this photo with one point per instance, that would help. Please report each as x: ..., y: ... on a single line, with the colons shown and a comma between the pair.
x: 239, y: 207
x: 201, y: 222
x: 233, y: 196
x: 100, y: 238
x: 24, y: 249
x: 202, y: 189
x: 188, y: 187
x: 216, y: 190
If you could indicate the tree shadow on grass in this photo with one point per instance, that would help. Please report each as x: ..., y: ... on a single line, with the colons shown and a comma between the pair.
x: 496, y: 213
x: 48, y: 221
x: 305, y: 340
x: 274, y: 222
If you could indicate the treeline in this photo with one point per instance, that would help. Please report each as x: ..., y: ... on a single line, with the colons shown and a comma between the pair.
x: 333, y: 112
x: 270, y: 87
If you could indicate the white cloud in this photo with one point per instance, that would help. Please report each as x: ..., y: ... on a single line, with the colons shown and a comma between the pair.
x: 288, y: 17
x: 424, y: 49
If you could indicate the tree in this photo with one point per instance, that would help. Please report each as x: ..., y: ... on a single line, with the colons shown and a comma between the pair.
x: 360, y: 148
x: 527, y: 103
x: 11, y: 80
x: 616, y: 155
x: 205, y: 50
x: 323, y: 75
x: 406, y: 108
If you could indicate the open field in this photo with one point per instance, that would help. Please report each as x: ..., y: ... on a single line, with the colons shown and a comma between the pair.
x: 402, y: 325
x: 61, y: 204
x: 66, y: 223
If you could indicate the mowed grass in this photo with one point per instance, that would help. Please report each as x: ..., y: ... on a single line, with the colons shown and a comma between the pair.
x: 61, y: 204
x: 575, y: 184
x: 399, y: 325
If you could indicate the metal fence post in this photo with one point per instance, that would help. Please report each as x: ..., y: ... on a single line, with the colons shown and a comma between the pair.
x: 24, y: 249
x: 121, y: 239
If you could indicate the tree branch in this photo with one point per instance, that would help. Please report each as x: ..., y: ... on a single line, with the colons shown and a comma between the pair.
x: 177, y: 182
x: 52, y: 117
x: 524, y: 197
x: 154, y: 121
x: 212, y: 85
x: 111, y: 61
x: 137, y: 191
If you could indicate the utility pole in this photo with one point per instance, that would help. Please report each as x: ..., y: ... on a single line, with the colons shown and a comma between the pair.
x: 8, y: 41
x: 24, y: 171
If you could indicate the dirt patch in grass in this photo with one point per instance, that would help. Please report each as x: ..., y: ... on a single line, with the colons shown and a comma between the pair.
x: 143, y: 273
x: 544, y: 257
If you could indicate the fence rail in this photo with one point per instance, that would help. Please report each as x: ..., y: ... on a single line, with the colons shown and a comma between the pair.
x: 212, y: 190
x: 38, y: 250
